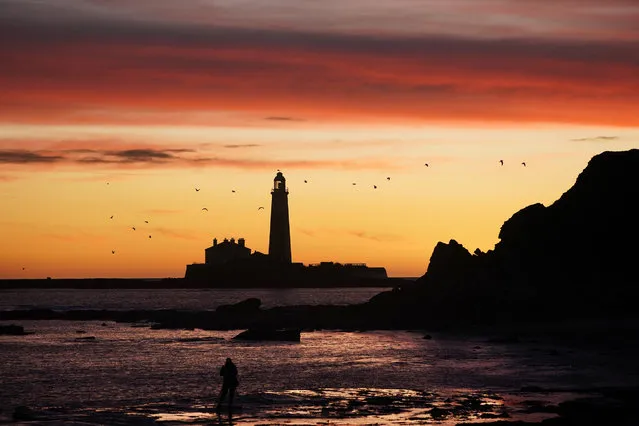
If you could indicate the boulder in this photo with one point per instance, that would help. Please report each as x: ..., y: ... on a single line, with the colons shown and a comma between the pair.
x: 12, y: 330
x: 270, y: 334
x: 23, y: 413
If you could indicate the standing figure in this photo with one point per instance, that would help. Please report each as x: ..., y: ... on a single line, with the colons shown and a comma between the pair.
x: 229, y: 383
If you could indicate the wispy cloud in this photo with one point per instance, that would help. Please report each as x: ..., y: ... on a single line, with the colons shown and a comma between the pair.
x: 357, y: 72
x: 21, y: 156
x: 240, y: 145
x: 130, y: 156
x: 597, y: 139
x: 127, y: 156
x: 168, y: 157
x: 283, y: 119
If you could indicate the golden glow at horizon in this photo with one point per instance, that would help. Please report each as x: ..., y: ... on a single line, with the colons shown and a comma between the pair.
x: 56, y: 219
x: 321, y: 90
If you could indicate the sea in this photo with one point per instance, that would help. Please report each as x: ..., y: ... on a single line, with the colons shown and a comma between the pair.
x: 107, y: 373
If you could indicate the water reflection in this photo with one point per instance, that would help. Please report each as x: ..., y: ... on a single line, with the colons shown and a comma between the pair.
x: 385, y: 377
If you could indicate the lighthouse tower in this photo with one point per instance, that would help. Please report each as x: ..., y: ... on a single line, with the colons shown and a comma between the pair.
x: 279, y: 244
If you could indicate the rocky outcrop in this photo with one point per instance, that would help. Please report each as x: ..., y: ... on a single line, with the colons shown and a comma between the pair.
x: 575, y: 257
x: 12, y: 330
x: 269, y: 334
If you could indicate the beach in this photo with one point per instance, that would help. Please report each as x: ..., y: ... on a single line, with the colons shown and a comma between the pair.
x: 94, y: 372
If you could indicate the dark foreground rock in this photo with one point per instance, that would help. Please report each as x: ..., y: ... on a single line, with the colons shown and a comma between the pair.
x: 613, y: 407
x: 573, y: 259
x: 13, y: 330
x: 24, y: 413
x: 269, y: 334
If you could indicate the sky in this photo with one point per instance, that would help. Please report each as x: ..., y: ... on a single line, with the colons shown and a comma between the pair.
x: 123, y: 107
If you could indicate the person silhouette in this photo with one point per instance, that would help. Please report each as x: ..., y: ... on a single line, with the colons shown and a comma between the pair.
x: 229, y: 383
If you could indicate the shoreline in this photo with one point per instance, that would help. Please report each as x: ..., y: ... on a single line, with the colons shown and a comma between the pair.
x: 585, y: 407
x: 180, y: 283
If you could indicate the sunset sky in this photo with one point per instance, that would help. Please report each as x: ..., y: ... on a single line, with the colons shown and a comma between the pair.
x: 124, y: 107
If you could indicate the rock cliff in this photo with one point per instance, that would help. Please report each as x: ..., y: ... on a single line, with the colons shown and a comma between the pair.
x: 575, y: 258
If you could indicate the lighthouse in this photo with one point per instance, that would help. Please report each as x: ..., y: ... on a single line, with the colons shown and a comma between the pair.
x: 279, y: 242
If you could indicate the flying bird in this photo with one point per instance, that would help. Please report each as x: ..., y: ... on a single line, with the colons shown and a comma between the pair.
x: 374, y: 186
x: 146, y: 221
x: 149, y: 236
x: 133, y: 227
x: 426, y: 164
x: 112, y: 251
x: 205, y: 209
x: 354, y: 183
x: 111, y: 216
x: 523, y: 164
x: 305, y: 181
x: 232, y: 190
x: 197, y: 189
x: 23, y: 268
x: 260, y: 208
x: 388, y: 178
x: 502, y: 162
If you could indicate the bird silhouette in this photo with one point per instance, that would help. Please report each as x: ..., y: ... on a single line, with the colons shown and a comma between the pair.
x: 112, y: 251
x: 388, y: 178
x: 111, y: 216
x: 149, y: 236
x: 133, y: 227
x: 205, y: 209
x: 107, y: 183
x: 374, y: 186
x: 426, y: 164
x: 23, y: 268
x: 146, y: 221
x: 232, y: 190
x: 197, y: 189
x: 354, y: 183
x: 523, y: 164
x: 260, y: 208
x: 305, y: 181
x: 502, y: 162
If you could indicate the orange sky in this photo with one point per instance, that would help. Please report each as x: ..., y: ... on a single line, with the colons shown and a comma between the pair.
x: 157, y: 99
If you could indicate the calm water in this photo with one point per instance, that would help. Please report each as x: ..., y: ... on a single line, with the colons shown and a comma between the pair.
x: 132, y: 375
x: 184, y: 299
